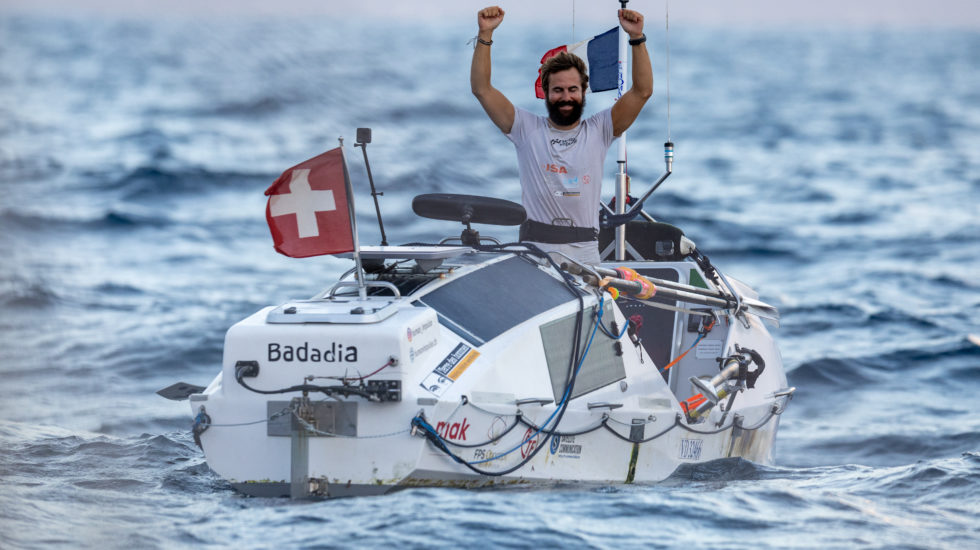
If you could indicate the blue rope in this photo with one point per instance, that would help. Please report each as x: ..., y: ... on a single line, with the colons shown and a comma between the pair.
x: 626, y: 326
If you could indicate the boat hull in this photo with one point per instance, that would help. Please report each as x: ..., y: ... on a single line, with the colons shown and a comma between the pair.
x: 477, y: 389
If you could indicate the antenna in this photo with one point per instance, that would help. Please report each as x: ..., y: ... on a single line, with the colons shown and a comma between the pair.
x: 363, y: 138
x: 667, y: 34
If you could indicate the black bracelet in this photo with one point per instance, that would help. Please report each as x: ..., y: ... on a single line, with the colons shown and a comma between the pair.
x: 490, y: 42
x: 637, y: 41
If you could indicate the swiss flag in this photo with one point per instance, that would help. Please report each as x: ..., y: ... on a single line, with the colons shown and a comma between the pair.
x: 307, y: 209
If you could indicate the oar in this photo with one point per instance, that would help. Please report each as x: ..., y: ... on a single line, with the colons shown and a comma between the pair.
x: 676, y: 291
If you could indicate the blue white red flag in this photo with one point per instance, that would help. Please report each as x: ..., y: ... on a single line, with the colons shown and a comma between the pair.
x: 601, y: 56
x: 307, y: 210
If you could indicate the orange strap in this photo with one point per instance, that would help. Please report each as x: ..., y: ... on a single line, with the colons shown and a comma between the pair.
x: 648, y: 288
x: 707, y: 329
x: 678, y: 358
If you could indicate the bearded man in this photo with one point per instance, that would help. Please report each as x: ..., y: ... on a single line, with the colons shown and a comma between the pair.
x: 560, y: 157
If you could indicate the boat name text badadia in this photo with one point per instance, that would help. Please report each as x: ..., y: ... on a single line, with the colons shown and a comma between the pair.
x: 336, y: 353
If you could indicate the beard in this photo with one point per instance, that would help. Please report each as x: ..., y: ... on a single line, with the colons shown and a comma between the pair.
x: 562, y: 119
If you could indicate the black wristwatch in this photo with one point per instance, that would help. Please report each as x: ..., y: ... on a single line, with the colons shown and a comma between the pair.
x: 638, y: 41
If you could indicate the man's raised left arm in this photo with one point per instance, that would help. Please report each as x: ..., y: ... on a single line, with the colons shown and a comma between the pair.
x: 628, y: 107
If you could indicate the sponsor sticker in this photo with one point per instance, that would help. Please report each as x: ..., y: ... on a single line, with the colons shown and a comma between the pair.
x: 691, y: 449
x: 565, y: 446
x: 529, y: 444
x: 453, y: 431
x: 449, y: 369
x: 708, y: 349
x: 483, y: 454
x: 417, y: 331
x: 417, y: 351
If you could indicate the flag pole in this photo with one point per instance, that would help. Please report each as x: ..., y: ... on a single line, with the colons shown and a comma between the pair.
x: 622, y: 181
x: 358, y: 270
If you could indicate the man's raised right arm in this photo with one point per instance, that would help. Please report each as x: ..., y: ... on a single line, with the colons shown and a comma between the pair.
x: 498, y: 107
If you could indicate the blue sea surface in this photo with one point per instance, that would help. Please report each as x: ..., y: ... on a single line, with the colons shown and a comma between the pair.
x: 836, y: 171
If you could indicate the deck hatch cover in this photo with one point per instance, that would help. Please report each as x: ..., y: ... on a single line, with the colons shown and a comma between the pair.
x: 492, y: 300
x: 601, y: 367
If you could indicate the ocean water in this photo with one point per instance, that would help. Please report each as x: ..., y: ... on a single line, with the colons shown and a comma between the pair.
x: 837, y: 171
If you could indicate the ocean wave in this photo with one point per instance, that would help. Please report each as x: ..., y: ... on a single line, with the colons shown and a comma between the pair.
x: 848, y: 372
x: 810, y: 319
x: 261, y: 106
x: 858, y: 217
x: 19, y: 169
x: 254, y: 107
x: 840, y: 373
x: 723, y: 469
x: 837, y: 316
x: 891, y: 316
x: 726, y: 238
x: 35, y: 223
x: 153, y: 182
x: 936, y: 481
x: 433, y: 110
x: 27, y: 294
x: 746, y: 253
x: 822, y: 310
x: 912, y: 455
x: 94, y: 461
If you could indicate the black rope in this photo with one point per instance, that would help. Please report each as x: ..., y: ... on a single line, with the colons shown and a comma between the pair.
x: 440, y: 444
x: 605, y: 424
x: 558, y: 433
x: 330, y: 391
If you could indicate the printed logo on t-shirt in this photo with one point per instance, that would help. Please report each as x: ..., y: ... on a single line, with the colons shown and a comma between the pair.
x: 564, y: 142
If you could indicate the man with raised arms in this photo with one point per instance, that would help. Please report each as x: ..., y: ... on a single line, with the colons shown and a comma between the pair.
x: 560, y: 157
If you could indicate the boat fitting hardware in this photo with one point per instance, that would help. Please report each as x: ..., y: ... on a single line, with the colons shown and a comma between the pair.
x: 415, y: 427
x: 534, y: 401
x: 201, y: 424
x: 604, y: 405
x: 637, y: 427
x: 246, y: 369
x: 318, y: 487
x: 482, y: 238
x: 180, y: 391
x: 784, y: 392
x: 389, y: 391
x: 382, y: 284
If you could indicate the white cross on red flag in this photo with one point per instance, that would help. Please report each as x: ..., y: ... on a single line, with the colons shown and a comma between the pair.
x: 307, y: 209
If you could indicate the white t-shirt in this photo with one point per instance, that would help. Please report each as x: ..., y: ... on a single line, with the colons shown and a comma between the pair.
x: 561, y: 173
